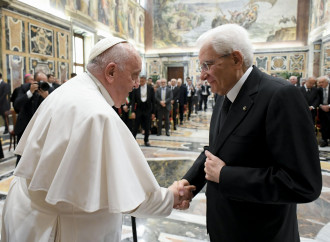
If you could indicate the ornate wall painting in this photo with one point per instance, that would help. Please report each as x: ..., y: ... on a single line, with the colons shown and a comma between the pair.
x: 63, y: 71
x: 41, y: 40
x: 14, y: 29
x: 320, y: 13
x: 278, y: 63
x: 141, y: 28
x: 46, y: 66
x: 121, y: 17
x: 180, y: 22
x: 154, y: 67
x: 297, y: 62
x: 261, y: 62
x: 62, y: 45
x: 15, y: 70
x: 326, y: 60
x: 131, y: 21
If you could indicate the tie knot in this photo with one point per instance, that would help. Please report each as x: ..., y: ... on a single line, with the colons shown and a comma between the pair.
x: 226, y: 104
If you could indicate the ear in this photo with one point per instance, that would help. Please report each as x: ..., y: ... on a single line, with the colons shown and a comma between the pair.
x: 238, y: 58
x: 109, y: 72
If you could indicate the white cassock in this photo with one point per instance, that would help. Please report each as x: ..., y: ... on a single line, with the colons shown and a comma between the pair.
x: 81, y: 168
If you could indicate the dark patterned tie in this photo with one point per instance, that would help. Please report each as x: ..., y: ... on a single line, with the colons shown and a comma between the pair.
x: 224, y: 111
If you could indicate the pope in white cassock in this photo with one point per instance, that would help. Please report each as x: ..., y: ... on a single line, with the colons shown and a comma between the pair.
x: 81, y: 168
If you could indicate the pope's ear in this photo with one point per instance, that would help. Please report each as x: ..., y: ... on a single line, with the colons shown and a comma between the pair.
x: 109, y: 71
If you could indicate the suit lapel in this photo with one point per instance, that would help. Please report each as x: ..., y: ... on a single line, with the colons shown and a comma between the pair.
x: 238, y: 110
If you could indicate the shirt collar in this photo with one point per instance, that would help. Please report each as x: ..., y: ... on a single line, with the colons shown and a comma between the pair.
x: 232, y: 94
x: 102, y: 89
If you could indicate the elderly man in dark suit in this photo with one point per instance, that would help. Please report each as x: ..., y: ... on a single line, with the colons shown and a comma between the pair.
x: 324, y: 109
x: 311, y: 94
x: 163, y: 97
x: 143, y: 100
x: 176, y: 96
x: 263, y: 156
x: 182, y: 98
x: 4, y: 101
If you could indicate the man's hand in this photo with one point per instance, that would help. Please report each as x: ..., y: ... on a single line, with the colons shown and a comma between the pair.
x: 133, y: 116
x: 325, y: 108
x: 43, y: 93
x: 125, y: 108
x: 182, y: 192
x: 213, y: 166
x: 33, y: 87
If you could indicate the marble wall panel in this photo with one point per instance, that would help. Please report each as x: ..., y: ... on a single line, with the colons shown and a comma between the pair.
x: 41, y: 40
x: 278, y: 63
x: 63, y: 71
x: 62, y: 45
x: 15, y: 70
x: 37, y: 64
x: 326, y: 59
x: 262, y: 62
x: 14, y: 32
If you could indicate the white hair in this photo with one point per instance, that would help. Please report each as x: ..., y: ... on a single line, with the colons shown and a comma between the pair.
x: 119, y: 54
x: 228, y: 38
x: 326, y: 78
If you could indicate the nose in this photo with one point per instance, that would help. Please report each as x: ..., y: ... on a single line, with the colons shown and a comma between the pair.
x: 136, y: 83
x: 203, y: 76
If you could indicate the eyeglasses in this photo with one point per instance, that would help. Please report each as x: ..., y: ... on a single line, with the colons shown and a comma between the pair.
x: 205, y: 66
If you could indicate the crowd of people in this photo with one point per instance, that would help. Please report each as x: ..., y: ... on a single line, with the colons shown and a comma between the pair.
x: 151, y: 103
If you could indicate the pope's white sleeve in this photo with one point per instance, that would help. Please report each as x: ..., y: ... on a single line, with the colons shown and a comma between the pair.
x: 156, y: 204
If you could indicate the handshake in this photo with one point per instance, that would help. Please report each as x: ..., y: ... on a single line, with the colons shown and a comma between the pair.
x: 182, y: 192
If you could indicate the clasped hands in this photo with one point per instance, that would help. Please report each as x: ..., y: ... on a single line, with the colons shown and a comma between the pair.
x: 182, y: 190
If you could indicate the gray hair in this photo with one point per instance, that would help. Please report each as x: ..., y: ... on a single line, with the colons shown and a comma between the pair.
x: 326, y: 78
x: 228, y: 38
x: 118, y: 54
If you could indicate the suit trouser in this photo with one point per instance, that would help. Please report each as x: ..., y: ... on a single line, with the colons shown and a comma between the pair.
x: 175, y: 107
x: 143, y: 118
x: 181, y: 111
x: 325, y: 124
x: 163, y: 112
x: 204, y: 100
x: 189, y: 100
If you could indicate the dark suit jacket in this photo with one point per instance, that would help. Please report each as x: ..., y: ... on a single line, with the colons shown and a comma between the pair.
x: 272, y: 163
x: 176, y: 94
x: 4, y: 94
x: 136, y: 99
x: 168, y: 97
x: 183, y: 95
x: 26, y: 106
x: 312, y: 98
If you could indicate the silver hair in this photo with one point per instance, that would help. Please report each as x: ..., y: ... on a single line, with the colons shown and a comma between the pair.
x: 118, y: 54
x: 228, y: 38
x: 326, y: 78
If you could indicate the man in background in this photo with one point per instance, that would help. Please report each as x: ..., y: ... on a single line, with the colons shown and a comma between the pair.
x: 164, y: 97
x: 4, y: 101
x: 143, y: 101
x: 324, y: 109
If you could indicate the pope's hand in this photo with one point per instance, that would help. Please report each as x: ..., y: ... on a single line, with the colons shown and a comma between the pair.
x: 182, y: 192
x: 213, y: 166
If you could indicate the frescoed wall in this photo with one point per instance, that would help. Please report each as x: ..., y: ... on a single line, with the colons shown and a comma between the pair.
x: 30, y: 45
x: 178, y: 23
x: 123, y: 18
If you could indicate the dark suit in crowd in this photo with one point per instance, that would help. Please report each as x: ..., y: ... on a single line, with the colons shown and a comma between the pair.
x: 4, y: 101
x: 176, y: 97
x: 27, y: 107
x: 143, y: 111
x: 205, y: 93
x: 190, y: 95
x: 164, y: 112
x: 264, y: 177
x: 182, y: 101
x: 312, y: 97
x: 324, y: 116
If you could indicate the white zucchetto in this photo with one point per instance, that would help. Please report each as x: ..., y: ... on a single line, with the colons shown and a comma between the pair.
x: 103, y: 45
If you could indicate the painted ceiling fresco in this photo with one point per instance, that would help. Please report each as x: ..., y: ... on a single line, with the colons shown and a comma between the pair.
x: 178, y: 23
